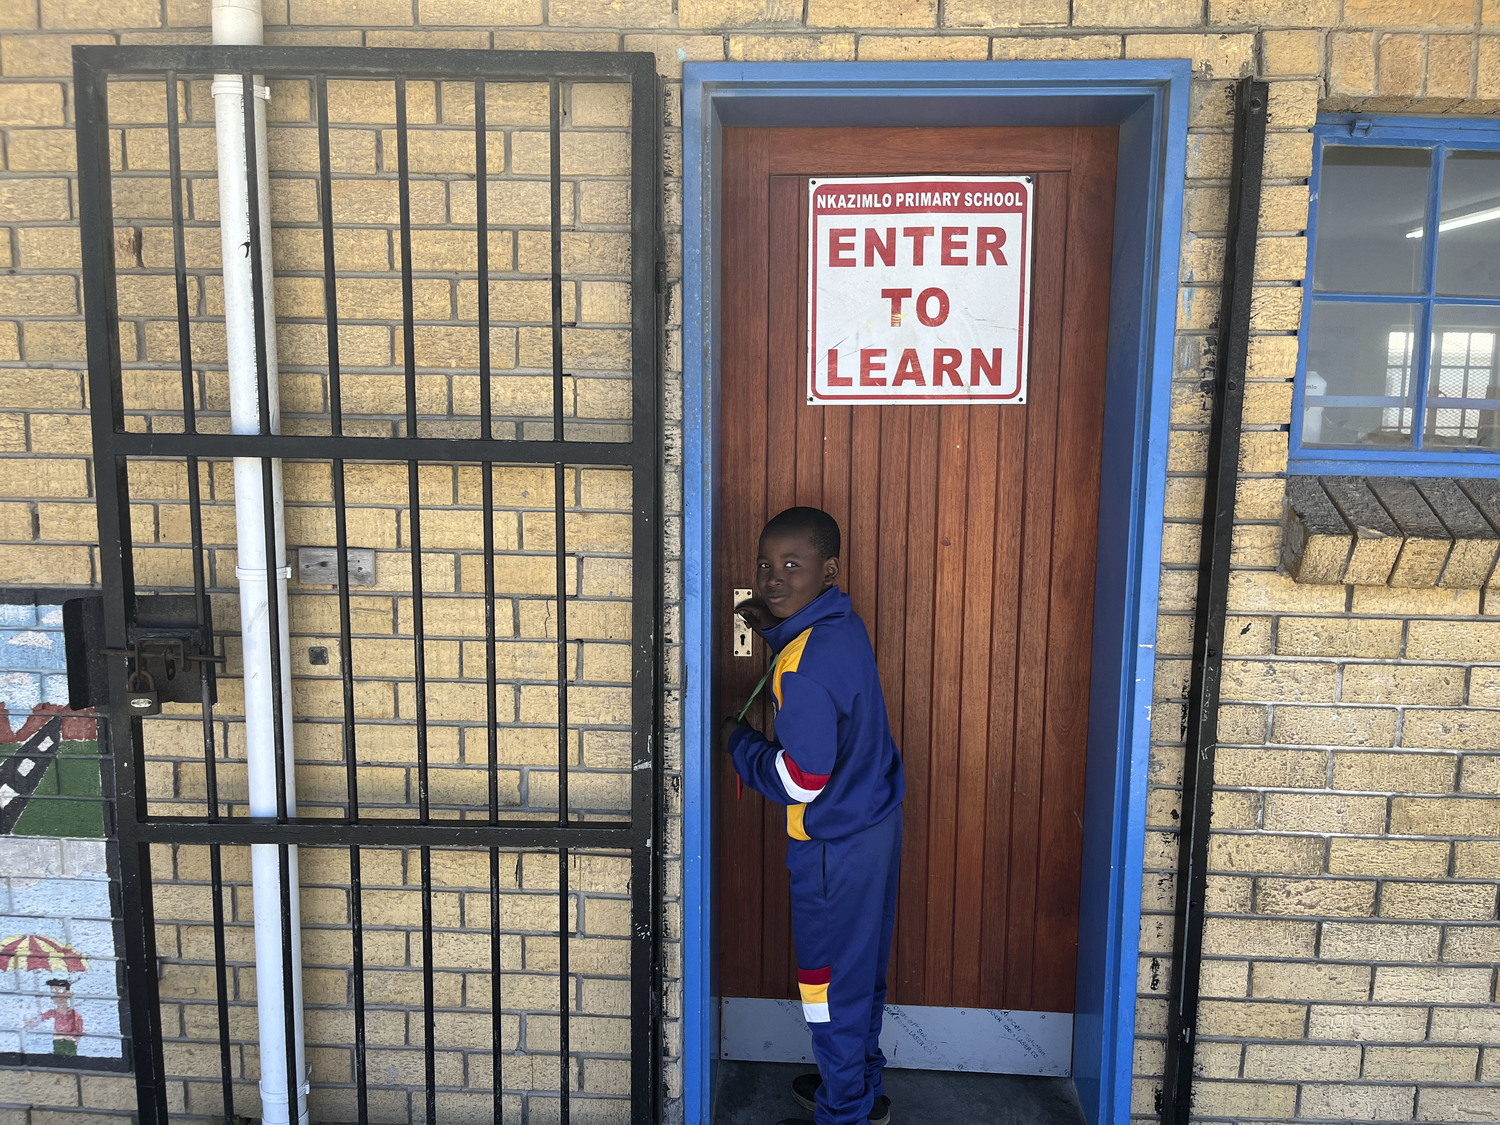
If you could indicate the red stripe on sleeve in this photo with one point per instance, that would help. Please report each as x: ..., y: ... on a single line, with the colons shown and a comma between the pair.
x: 815, y: 976
x: 806, y: 780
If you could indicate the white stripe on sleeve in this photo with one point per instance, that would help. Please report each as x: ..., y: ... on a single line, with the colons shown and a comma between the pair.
x: 792, y: 788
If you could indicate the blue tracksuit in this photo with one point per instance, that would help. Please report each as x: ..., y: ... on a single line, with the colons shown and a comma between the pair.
x: 835, y: 766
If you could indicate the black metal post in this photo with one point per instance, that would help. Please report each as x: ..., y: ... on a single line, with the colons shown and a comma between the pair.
x: 648, y: 784
x: 112, y: 487
x: 1202, y: 731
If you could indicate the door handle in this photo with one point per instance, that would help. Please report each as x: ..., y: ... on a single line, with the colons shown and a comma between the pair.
x: 741, y: 627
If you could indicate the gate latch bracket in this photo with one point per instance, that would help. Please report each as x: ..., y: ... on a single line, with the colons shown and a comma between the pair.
x: 170, y: 640
x: 170, y: 663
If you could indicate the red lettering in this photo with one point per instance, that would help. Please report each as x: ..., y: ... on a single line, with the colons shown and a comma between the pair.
x: 919, y: 237
x: 897, y: 297
x: 909, y: 370
x: 945, y: 366
x: 841, y: 246
x: 955, y: 246
x: 886, y: 249
x: 990, y: 241
x: 834, y: 378
x: 928, y: 295
x: 871, y: 363
x: 989, y: 368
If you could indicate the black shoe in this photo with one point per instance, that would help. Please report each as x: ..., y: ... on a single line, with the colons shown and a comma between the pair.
x: 805, y: 1091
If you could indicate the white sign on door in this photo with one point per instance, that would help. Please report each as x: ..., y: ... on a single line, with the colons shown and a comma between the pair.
x: 919, y: 289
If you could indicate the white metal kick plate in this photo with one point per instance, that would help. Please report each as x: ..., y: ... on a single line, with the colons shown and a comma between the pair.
x: 741, y: 627
x: 916, y: 1038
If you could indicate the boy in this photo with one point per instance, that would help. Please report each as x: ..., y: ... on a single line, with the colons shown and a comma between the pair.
x: 835, y: 766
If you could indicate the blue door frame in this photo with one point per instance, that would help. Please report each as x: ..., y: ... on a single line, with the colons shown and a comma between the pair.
x: 1148, y: 100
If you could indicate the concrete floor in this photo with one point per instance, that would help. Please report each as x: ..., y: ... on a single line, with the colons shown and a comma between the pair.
x: 760, y: 1094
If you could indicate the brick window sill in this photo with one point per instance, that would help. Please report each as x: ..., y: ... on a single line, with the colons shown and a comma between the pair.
x: 1392, y: 531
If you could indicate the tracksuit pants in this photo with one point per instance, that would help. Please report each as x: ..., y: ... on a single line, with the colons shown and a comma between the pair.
x: 843, y: 914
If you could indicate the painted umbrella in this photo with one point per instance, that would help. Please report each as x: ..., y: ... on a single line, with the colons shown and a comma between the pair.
x: 36, y: 953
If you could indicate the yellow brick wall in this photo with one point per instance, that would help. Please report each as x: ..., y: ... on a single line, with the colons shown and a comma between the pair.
x: 1351, y: 926
x: 1352, y: 919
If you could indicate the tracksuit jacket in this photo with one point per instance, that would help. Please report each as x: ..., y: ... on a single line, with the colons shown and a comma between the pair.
x: 835, y: 767
x: 834, y: 763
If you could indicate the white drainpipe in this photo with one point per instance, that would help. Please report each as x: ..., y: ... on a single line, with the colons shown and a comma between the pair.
x: 238, y: 22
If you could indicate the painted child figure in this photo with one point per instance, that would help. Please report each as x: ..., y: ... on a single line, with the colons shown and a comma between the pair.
x: 835, y: 766
x: 67, y: 1021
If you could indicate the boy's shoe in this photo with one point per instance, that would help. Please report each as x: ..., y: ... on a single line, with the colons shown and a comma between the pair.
x: 805, y: 1091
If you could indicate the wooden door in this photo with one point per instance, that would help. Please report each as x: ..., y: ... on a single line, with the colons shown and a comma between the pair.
x: 969, y: 550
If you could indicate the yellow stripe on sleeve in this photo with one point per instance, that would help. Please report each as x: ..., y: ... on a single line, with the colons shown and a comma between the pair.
x: 788, y: 660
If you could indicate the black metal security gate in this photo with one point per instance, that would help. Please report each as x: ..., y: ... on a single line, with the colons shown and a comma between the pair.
x: 142, y: 346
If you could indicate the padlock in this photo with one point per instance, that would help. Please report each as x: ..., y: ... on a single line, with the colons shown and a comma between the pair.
x: 141, y: 695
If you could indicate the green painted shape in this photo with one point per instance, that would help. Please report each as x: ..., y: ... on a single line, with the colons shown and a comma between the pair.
x: 69, y: 800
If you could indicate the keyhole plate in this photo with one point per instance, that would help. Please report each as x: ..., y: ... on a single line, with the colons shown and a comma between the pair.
x: 741, y: 627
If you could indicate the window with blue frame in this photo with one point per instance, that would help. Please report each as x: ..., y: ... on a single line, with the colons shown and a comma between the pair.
x: 1400, y: 355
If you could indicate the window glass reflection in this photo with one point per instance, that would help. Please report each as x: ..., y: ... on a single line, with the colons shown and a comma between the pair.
x: 1463, y: 387
x: 1360, y: 375
x: 1370, y: 201
x: 1468, y: 263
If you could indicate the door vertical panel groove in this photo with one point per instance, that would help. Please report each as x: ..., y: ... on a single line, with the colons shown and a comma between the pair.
x: 740, y: 820
x: 952, y: 465
x: 1004, y: 645
x: 1073, y: 571
x: 863, y: 528
x: 838, y: 438
x: 976, y: 683
x: 1036, y: 561
x: 890, y: 631
x: 788, y: 435
x: 917, y: 720
x: 866, y: 526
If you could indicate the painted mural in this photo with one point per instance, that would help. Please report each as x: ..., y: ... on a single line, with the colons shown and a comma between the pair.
x: 59, y: 978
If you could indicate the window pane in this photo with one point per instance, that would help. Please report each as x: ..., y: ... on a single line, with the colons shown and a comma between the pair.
x: 1360, y: 374
x: 1468, y: 262
x: 1370, y: 201
x: 1463, y: 389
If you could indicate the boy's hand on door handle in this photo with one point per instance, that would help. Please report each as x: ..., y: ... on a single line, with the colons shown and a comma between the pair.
x: 756, y: 613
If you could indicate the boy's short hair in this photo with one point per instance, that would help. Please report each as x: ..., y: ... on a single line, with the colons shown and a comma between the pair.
x: 821, y: 529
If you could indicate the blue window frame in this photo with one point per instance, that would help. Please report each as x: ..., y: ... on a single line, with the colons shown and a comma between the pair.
x: 1398, y: 368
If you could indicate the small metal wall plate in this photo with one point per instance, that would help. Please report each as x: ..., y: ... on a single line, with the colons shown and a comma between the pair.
x: 319, y: 566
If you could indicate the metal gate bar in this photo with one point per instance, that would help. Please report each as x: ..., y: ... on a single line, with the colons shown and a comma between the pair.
x: 114, y: 448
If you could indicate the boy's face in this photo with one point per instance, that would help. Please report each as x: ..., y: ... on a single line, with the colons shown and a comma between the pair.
x: 790, y: 573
